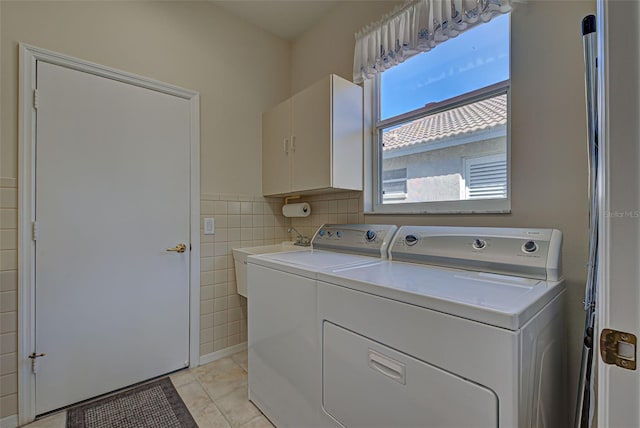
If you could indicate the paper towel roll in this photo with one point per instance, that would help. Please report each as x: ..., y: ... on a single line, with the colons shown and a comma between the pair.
x: 296, y: 210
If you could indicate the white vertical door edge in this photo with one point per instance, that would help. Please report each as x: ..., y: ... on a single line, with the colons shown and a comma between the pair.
x: 618, y: 390
x: 602, y: 384
x: 29, y: 55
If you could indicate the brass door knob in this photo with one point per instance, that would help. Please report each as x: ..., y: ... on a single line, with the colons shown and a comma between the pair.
x: 180, y: 248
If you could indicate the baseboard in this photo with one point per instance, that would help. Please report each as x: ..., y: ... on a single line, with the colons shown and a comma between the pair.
x: 9, y: 422
x: 204, y: 359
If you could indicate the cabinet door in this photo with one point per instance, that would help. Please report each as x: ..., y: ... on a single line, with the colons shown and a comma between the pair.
x: 276, y: 134
x: 311, y: 126
x: 347, y: 149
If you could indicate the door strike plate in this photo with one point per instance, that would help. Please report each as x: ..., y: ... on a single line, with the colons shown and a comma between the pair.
x: 618, y: 348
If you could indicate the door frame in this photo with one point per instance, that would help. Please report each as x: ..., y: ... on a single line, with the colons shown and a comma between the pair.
x: 29, y: 55
x: 618, y: 291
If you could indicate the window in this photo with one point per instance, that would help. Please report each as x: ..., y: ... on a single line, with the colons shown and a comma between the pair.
x: 394, y: 184
x: 439, y: 114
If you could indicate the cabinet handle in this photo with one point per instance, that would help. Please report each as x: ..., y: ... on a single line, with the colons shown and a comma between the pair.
x: 293, y: 143
x: 286, y: 146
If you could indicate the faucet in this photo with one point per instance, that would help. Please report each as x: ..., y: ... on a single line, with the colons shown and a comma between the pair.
x: 300, y: 239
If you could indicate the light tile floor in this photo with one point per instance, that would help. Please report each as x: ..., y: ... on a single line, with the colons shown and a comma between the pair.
x: 215, y: 394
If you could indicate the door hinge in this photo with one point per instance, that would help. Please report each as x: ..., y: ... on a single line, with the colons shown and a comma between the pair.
x: 34, y: 230
x: 618, y: 348
x: 36, y: 99
x: 35, y: 363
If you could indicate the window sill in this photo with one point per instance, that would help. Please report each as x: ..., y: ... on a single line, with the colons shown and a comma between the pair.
x: 485, y: 206
x: 418, y: 212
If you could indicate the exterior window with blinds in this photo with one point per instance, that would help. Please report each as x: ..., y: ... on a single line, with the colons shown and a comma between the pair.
x: 485, y: 177
x: 442, y: 122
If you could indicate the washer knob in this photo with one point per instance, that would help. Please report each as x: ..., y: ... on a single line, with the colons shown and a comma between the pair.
x: 370, y: 235
x: 321, y: 232
x: 479, y: 244
x: 529, y: 247
x: 411, y: 240
x: 339, y: 234
x: 329, y: 233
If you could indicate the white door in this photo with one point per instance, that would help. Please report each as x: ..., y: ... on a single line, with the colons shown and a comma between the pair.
x: 112, y: 194
x: 618, y: 389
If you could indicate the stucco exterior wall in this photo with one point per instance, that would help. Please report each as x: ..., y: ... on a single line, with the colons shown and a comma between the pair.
x: 438, y: 175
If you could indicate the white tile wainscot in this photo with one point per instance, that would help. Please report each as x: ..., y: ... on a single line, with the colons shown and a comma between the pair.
x: 240, y: 221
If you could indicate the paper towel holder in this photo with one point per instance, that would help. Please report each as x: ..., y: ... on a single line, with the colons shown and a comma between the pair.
x: 302, y: 209
x: 288, y: 198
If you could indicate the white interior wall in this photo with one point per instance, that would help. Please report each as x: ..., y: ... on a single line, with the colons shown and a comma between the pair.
x: 238, y: 69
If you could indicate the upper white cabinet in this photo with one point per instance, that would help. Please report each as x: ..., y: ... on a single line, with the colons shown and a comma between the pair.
x: 313, y: 140
x: 276, y: 136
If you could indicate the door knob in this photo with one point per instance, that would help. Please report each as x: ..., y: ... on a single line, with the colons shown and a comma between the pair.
x: 180, y: 248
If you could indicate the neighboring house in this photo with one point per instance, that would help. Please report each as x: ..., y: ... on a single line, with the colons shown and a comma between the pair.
x: 456, y: 154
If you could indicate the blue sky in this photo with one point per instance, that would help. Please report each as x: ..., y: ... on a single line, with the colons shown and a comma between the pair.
x: 476, y: 58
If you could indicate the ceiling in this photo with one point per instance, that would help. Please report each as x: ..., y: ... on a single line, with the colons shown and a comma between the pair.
x: 287, y: 19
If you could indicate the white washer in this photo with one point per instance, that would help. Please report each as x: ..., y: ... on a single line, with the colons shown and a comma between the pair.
x: 463, y: 327
x: 284, y: 332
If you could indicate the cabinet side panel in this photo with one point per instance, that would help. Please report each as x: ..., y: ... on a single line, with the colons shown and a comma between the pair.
x: 276, y: 133
x: 312, y: 132
x: 347, y: 135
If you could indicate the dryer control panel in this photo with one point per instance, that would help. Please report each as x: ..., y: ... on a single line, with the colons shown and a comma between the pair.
x: 531, y: 253
x: 368, y: 239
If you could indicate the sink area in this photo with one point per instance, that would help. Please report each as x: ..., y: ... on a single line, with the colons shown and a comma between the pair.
x: 240, y: 259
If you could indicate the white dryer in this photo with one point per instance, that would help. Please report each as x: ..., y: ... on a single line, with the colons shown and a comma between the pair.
x: 463, y: 327
x: 283, y: 329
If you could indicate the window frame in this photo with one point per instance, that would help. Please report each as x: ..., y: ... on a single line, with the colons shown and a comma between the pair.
x: 467, y: 206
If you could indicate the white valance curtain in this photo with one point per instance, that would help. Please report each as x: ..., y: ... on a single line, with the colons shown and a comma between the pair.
x: 417, y: 26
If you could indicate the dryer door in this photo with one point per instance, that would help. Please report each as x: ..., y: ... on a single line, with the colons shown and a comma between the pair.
x: 366, y: 384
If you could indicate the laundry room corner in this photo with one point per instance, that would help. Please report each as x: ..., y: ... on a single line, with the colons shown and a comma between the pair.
x: 548, y: 159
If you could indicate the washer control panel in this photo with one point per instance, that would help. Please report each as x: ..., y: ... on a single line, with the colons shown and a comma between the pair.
x: 372, y: 239
x: 532, y: 253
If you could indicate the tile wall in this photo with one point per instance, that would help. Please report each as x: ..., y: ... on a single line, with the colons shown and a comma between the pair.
x: 245, y: 221
x: 333, y: 208
x: 8, y: 297
x: 240, y: 221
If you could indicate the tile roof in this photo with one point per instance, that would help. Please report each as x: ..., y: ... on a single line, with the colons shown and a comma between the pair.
x: 463, y: 120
